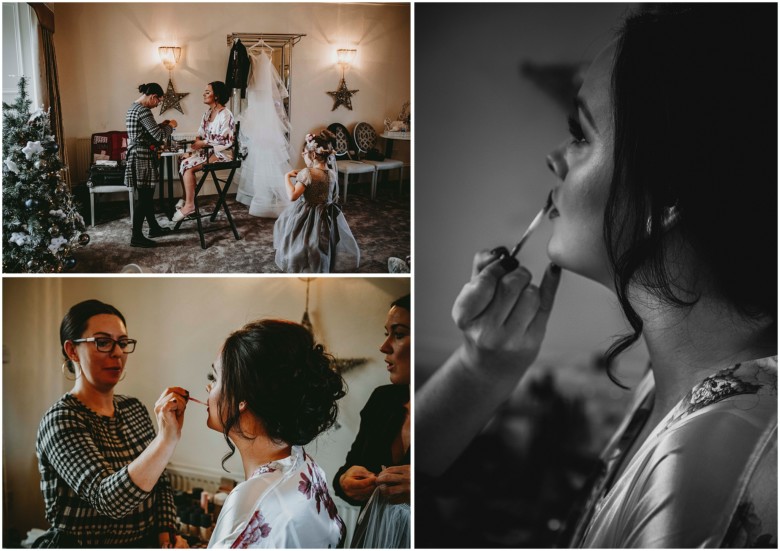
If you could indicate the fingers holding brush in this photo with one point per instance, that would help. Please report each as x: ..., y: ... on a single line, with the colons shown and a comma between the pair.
x: 479, y: 292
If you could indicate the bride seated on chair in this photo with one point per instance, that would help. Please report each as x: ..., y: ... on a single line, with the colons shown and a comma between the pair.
x: 216, y: 133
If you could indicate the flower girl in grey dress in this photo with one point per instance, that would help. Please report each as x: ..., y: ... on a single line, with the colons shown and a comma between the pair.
x: 312, y: 235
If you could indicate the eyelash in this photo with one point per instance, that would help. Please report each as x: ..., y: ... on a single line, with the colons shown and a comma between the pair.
x: 575, y: 129
x: 211, y: 378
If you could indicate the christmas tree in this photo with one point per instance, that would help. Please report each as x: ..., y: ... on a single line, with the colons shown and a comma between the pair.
x: 41, y: 225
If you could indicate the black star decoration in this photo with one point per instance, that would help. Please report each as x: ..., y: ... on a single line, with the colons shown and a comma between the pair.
x: 172, y: 99
x: 342, y: 96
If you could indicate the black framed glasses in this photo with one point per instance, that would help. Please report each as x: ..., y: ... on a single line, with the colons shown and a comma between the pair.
x: 106, y: 344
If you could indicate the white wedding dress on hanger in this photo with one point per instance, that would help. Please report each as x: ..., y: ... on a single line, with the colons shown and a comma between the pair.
x: 265, y: 128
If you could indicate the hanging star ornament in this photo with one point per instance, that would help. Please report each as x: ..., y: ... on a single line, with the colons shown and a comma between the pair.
x: 172, y: 99
x: 342, y: 96
x: 342, y: 365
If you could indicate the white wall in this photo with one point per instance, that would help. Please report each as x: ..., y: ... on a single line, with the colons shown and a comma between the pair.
x: 105, y: 50
x: 180, y: 324
x: 482, y: 133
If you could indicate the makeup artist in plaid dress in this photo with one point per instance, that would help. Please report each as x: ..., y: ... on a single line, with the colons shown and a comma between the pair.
x: 141, y: 171
x: 101, y: 464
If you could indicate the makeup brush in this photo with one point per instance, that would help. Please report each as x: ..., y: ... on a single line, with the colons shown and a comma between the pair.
x: 190, y: 398
x: 508, y: 260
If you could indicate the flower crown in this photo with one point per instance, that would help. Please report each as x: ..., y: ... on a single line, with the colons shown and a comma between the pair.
x: 313, y: 146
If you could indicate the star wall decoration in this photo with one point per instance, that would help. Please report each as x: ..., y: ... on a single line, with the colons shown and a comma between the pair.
x: 342, y: 96
x: 342, y: 365
x: 172, y: 99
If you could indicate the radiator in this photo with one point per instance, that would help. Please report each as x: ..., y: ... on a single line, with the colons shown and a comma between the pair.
x: 185, y: 478
x: 81, y: 160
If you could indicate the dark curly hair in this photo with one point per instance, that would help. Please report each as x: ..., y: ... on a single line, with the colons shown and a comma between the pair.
x: 286, y: 380
x: 151, y: 89
x: 221, y: 91
x: 75, y: 322
x: 682, y: 142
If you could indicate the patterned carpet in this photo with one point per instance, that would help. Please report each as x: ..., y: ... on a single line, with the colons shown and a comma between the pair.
x: 381, y: 228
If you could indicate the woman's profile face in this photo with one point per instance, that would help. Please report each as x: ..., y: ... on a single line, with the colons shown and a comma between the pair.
x: 398, y: 345
x: 208, y: 95
x: 102, y: 370
x: 213, y: 420
x: 583, y: 165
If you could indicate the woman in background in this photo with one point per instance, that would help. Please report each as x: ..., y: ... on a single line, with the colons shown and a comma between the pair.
x: 380, y: 457
x: 661, y: 199
x: 312, y: 235
x: 141, y: 172
x: 273, y: 391
x: 102, y: 466
x: 215, y: 135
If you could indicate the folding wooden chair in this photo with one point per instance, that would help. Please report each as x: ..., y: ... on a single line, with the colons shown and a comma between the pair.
x: 222, y: 185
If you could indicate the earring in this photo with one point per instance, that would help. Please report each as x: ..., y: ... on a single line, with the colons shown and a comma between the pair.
x: 669, y: 218
x: 76, y: 367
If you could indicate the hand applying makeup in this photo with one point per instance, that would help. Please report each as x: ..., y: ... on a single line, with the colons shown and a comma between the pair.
x: 502, y: 314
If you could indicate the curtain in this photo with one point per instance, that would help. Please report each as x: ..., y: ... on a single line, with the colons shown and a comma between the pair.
x: 32, y: 382
x: 51, y: 82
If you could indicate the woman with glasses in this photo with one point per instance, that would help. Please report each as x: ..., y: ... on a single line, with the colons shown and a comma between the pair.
x: 101, y: 464
x: 141, y: 172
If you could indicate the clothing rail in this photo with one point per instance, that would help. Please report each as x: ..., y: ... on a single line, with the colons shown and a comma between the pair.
x: 282, y: 44
x: 275, y: 40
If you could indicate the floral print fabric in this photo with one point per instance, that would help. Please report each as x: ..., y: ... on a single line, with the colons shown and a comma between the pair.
x: 219, y: 134
x: 706, y: 476
x: 284, y: 504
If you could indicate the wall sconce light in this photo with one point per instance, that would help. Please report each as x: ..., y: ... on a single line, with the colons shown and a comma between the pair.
x: 345, y: 58
x: 343, y: 95
x: 169, y: 55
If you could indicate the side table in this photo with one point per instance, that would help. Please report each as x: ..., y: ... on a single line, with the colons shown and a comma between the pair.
x: 390, y: 137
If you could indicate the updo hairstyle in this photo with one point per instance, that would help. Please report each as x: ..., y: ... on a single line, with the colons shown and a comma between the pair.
x: 320, y: 147
x: 221, y: 91
x: 286, y: 380
x: 151, y: 89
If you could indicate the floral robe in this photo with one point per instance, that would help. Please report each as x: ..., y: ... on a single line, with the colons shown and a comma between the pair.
x: 284, y: 504
x: 219, y: 134
x: 706, y: 476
